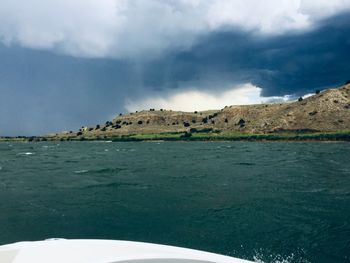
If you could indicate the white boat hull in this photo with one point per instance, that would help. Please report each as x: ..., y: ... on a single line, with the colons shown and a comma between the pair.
x: 104, y: 251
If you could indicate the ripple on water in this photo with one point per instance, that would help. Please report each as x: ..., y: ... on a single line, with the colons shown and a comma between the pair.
x: 26, y: 153
x: 100, y: 170
x: 81, y: 171
x: 116, y: 185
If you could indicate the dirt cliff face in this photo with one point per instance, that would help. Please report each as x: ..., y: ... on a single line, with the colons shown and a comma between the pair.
x: 326, y: 111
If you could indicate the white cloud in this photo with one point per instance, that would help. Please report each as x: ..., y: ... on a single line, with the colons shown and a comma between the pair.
x: 127, y: 28
x: 191, y: 100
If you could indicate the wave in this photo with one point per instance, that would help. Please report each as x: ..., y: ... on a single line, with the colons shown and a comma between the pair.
x: 81, y: 171
x: 116, y: 185
x: 99, y: 171
x: 246, y: 163
x: 26, y: 153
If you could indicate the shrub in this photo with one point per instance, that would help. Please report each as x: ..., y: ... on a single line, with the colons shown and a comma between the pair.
x: 312, y: 113
x: 317, y: 91
x: 300, y: 99
x: 241, y: 122
x: 205, y: 120
x: 195, y: 112
x: 186, y: 135
x: 97, y: 127
x: 186, y: 124
x: 226, y: 120
x: 79, y: 133
x: 347, y: 82
x: 139, y: 122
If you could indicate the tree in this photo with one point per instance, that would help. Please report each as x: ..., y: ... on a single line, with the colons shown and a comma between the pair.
x: 317, y: 91
x: 347, y: 82
x: 139, y: 122
x: 300, y: 99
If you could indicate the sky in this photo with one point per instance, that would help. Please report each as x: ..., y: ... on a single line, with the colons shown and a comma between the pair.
x: 71, y: 63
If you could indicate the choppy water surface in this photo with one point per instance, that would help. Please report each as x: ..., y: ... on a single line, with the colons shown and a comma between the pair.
x: 268, y: 202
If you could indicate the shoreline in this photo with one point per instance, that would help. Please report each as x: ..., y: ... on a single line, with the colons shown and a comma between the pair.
x: 186, y: 136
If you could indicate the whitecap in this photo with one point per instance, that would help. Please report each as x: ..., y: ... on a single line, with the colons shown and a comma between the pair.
x: 81, y: 171
x: 26, y: 153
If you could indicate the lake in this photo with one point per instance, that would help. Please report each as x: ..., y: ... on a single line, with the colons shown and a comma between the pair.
x: 268, y: 202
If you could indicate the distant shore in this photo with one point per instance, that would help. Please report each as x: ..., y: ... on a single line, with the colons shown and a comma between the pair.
x: 197, y: 136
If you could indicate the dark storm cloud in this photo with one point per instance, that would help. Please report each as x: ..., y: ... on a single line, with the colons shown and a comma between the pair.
x: 42, y: 92
x: 298, y: 62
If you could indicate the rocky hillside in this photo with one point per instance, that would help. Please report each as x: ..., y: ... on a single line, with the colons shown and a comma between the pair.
x: 327, y: 111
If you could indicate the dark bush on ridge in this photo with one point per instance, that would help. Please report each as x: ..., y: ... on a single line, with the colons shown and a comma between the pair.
x: 241, y: 122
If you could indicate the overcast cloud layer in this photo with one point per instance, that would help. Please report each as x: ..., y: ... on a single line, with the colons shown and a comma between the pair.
x: 65, y: 64
x: 126, y: 28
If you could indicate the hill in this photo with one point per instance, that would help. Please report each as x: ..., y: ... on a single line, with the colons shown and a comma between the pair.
x: 328, y: 111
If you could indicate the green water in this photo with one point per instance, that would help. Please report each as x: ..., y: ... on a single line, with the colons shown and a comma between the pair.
x: 268, y: 202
